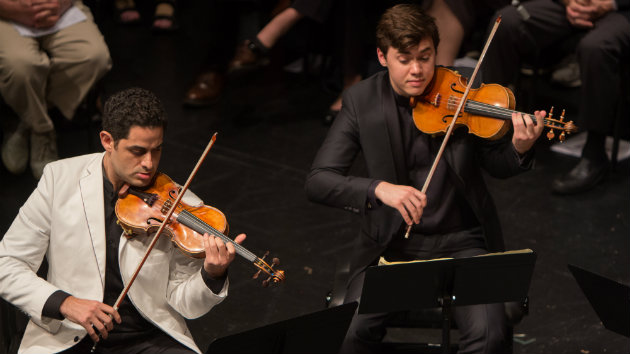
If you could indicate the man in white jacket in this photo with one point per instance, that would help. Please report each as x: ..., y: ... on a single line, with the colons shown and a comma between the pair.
x: 70, y: 220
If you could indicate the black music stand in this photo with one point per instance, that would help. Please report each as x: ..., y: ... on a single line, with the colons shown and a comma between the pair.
x: 498, y: 277
x: 319, y: 332
x: 609, y: 299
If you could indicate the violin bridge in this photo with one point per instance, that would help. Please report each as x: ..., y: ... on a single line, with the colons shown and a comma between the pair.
x: 436, y: 100
x: 166, y: 206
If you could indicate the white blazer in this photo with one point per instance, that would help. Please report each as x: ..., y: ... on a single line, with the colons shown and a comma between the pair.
x: 64, y: 220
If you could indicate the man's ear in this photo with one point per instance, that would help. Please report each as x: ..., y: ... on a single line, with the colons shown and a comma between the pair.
x: 381, y: 57
x: 107, y: 141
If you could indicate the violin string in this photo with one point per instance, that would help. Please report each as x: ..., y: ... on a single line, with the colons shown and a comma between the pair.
x: 484, y: 107
x: 501, y: 110
x: 158, y: 205
x: 190, y: 219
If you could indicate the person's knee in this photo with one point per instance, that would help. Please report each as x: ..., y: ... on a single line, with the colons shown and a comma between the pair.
x: 510, y: 19
x: 19, y: 67
x: 97, y: 57
x: 485, y: 338
x: 511, y: 26
x: 484, y: 330
x: 589, y: 46
x: 497, y: 339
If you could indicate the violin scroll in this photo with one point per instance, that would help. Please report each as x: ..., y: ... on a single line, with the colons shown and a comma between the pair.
x: 560, y: 124
x: 274, y: 275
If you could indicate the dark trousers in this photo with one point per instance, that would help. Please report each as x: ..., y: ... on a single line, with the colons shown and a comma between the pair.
x: 160, y: 343
x: 482, y: 327
x: 601, y: 51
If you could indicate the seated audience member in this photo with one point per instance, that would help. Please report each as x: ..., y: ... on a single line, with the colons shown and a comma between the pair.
x: 252, y: 52
x: 51, y: 53
x: 603, y: 30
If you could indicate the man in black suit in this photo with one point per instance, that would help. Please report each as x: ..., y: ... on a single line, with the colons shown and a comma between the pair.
x: 455, y: 218
x: 600, y: 30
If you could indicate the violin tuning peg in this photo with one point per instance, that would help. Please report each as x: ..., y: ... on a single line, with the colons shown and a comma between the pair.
x: 551, y: 112
x: 551, y: 134
x: 255, y: 276
x: 275, y: 262
x: 562, y: 116
x: 265, y: 283
x: 265, y: 255
x: 562, y: 137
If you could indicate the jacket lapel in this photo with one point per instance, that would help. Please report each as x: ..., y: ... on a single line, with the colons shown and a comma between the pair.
x: 91, y: 186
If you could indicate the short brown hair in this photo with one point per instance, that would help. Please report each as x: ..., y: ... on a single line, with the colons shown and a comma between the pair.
x: 404, y: 26
x: 131, y: 107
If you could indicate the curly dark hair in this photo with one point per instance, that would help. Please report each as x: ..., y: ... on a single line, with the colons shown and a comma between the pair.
x: 129, y: 107
x: 404, y: 26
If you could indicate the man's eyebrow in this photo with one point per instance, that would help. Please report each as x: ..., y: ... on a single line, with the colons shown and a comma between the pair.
x: 139, y: 147
x: 407, y: 52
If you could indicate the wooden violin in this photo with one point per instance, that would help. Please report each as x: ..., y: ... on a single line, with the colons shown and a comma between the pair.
x: 486, y: 112
x: 448, y: 96
x: 141, y: 212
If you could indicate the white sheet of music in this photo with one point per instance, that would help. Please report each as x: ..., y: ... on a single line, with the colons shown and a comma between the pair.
x: 69, y: 18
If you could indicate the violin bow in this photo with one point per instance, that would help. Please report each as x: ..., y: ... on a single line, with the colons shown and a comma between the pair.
x: 459, y: 108
x: 161, y: 228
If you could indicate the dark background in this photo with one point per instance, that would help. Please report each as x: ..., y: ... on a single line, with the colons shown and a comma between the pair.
x: 269, y: 125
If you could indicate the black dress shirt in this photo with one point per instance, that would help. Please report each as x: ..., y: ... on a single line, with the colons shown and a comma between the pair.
x: 448, y: 223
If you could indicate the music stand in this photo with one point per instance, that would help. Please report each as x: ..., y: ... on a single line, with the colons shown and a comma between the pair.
x: 497, y: 277
x: 319, y: 332
x: 609, y: 299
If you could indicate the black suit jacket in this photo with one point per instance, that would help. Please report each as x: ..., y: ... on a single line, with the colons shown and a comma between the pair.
x: 368, y: 122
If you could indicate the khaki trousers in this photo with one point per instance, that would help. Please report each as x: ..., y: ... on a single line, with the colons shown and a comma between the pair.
x: 56, y: 70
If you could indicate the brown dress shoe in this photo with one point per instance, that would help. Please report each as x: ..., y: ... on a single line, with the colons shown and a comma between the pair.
x: 249, y: 55
x: 206, y: 89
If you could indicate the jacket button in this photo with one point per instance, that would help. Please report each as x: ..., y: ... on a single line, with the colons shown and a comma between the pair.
x: 76, y: 339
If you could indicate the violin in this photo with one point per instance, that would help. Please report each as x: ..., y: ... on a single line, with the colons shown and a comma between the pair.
x: 448, y: 96
x: 141, y: 212
x: 486, y: 112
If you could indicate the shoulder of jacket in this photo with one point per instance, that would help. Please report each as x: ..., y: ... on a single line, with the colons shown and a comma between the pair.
x: 75, y: 166
x: 367, y: 89
x: 80, y: 160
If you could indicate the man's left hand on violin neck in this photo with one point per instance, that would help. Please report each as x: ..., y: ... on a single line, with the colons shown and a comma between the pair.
x: 526, y: 131
x: 219, y: 254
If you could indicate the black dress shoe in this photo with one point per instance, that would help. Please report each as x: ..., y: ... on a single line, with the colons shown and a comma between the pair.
x: 330, y: 117
x: 584, y: 176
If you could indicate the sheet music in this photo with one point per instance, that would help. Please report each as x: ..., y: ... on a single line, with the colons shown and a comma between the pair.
x: 382, y: 261
x: 69, y: 18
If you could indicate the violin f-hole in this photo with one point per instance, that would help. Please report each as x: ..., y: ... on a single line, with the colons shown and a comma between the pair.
x: 453, y: 88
